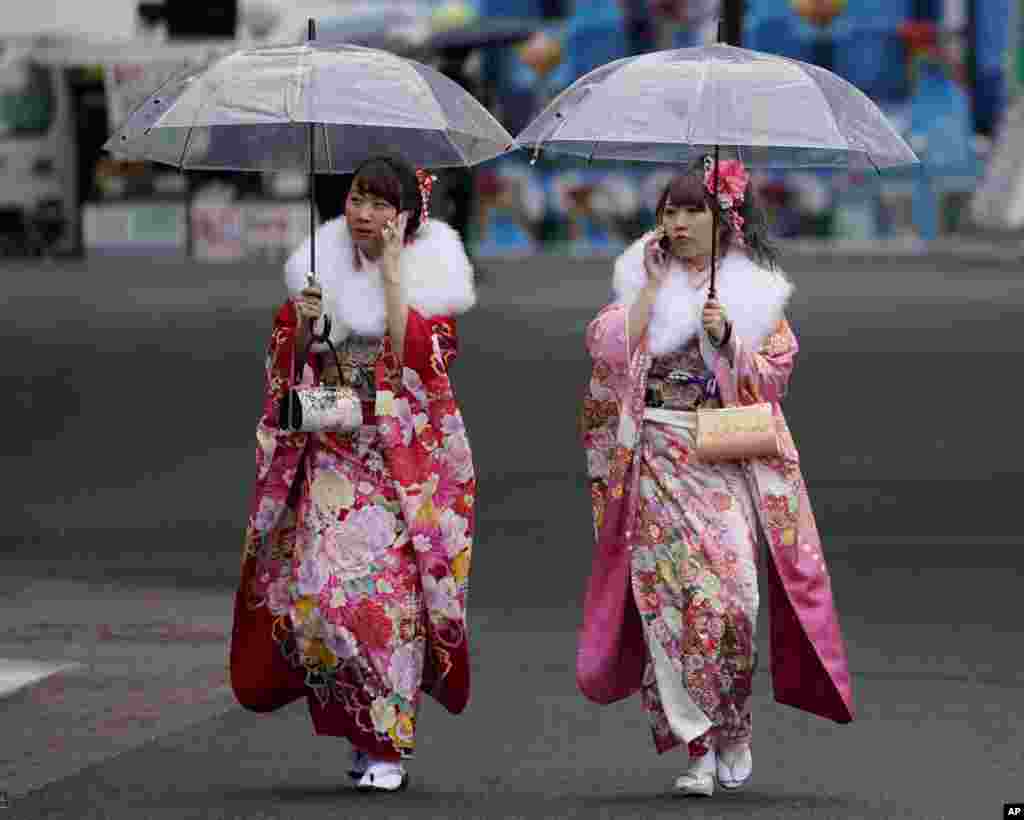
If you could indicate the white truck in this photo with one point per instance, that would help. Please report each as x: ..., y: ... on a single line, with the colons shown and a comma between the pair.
x: 38, y: 174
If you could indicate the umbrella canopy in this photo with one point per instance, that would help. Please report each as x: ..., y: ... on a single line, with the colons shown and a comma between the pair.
x: 671, y: 106
x: 253, y: 110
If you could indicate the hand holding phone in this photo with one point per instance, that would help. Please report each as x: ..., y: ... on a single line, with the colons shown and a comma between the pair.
x: 657, y: 258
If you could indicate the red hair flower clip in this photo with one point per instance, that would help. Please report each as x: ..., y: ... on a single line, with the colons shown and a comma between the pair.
x: 426, y: 182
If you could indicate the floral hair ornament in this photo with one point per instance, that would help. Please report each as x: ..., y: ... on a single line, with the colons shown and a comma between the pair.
x: 732, y: 185
x: 426, y: 182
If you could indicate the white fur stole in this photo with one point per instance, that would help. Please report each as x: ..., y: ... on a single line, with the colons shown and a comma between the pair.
x: 437, y: 274
x: 754, y: 298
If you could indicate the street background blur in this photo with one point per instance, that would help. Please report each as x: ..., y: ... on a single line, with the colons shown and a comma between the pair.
x: 948, y: 73
x: 126, y: 280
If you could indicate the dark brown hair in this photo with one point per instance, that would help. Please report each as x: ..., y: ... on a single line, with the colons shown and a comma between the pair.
x: 684, y: 191
x: 687, y: 190
x: 394, y: 181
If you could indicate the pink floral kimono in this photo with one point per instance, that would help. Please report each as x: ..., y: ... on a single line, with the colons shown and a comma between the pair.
x: 672, y: 598
x: 357, y: 551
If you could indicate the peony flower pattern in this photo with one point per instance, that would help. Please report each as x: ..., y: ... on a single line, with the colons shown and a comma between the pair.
x: 373, y: 571
x: 442, y: 596
x: 312, y: 577
x: 362, y: 538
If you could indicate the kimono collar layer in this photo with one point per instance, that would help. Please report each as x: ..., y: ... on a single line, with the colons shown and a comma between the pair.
x: 437, y: 274
x: 754, y: 298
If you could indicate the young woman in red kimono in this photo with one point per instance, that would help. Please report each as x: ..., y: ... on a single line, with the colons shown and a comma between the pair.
x: 672, y: 599
x: 357, y: 552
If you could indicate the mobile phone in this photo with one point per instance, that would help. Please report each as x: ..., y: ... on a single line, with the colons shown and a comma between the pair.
x: 664, y: 244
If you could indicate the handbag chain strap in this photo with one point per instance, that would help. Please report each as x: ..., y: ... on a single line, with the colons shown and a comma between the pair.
x: 314, y: 337
x: 291, y: 398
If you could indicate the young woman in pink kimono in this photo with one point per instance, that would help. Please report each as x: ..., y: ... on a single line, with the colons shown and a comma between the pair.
x: 357, y: 552
x: 672, y: 599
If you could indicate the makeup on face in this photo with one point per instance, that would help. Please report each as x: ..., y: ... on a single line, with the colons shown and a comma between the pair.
x: 366, y: 215
x: 688, y: 229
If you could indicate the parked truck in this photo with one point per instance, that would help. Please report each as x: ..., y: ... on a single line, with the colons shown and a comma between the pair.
x: 38, y: 174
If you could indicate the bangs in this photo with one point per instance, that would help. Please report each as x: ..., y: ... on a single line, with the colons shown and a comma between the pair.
x: 378, y: 178
x: 686, y: 191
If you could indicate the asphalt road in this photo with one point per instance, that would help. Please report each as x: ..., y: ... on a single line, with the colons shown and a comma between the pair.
x: 132, y: 391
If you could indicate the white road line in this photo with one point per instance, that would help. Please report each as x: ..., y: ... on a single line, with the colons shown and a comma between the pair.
x: 16, y: 674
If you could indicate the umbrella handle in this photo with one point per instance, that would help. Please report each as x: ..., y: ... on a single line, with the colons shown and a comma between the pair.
x: 311, y: 276
x: 312, y: 187
x: 712, y: 293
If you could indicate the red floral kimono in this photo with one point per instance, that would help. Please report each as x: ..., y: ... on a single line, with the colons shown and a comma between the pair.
x: 357, y: 551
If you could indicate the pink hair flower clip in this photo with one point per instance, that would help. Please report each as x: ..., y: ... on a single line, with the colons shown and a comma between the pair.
x: 732, y: 181
x: 732, y: 186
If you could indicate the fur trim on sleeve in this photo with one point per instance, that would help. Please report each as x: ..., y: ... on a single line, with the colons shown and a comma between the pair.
x: 435, y: 268
x: 754, y: 298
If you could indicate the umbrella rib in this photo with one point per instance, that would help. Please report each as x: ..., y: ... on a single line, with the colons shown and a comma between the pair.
x: 193, y: 126
x: 327, y: 149
x: 203, y: 99
x: 468, y: 162
x: 589, y: 94
x: 188, y: 142
x: 428, y: 90
x: 829, y: 108
x: 462, y: 155
x: 705, y: 71
x: 149, y: 98
x: 284, y: 96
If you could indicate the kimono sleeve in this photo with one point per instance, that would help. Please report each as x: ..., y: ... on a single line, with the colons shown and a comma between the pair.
x: 746, y: 375
x: 279, y: 362
x: 431, y: 344
x: 607, y: 421
x: 608, y: 337
x: 427, y: 451
x: 278, y: 454
x: 417, y: 412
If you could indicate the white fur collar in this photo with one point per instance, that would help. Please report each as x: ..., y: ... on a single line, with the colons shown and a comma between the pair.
x: 437, y: 274
x: 754, y: 298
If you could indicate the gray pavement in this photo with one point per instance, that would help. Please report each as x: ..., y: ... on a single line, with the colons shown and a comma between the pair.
x: 123, y: 533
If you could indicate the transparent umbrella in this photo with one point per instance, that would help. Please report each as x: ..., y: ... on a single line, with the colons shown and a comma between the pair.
x: 673, y: 106
x: 320, y: 108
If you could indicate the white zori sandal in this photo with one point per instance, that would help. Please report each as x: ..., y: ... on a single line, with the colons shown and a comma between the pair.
x: 735, y: 765
x: 699, y: 777
x: 383, y: 776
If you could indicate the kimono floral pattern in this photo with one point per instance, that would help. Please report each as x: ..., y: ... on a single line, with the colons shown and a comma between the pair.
x: 689, y: 533
x: 428, y: 455
x: 363, y: 540
x: 694, y: 575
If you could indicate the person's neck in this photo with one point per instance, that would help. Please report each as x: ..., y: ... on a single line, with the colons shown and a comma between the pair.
x: 358, y: 255
x: 697, y: 268
x: 698, y: 264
